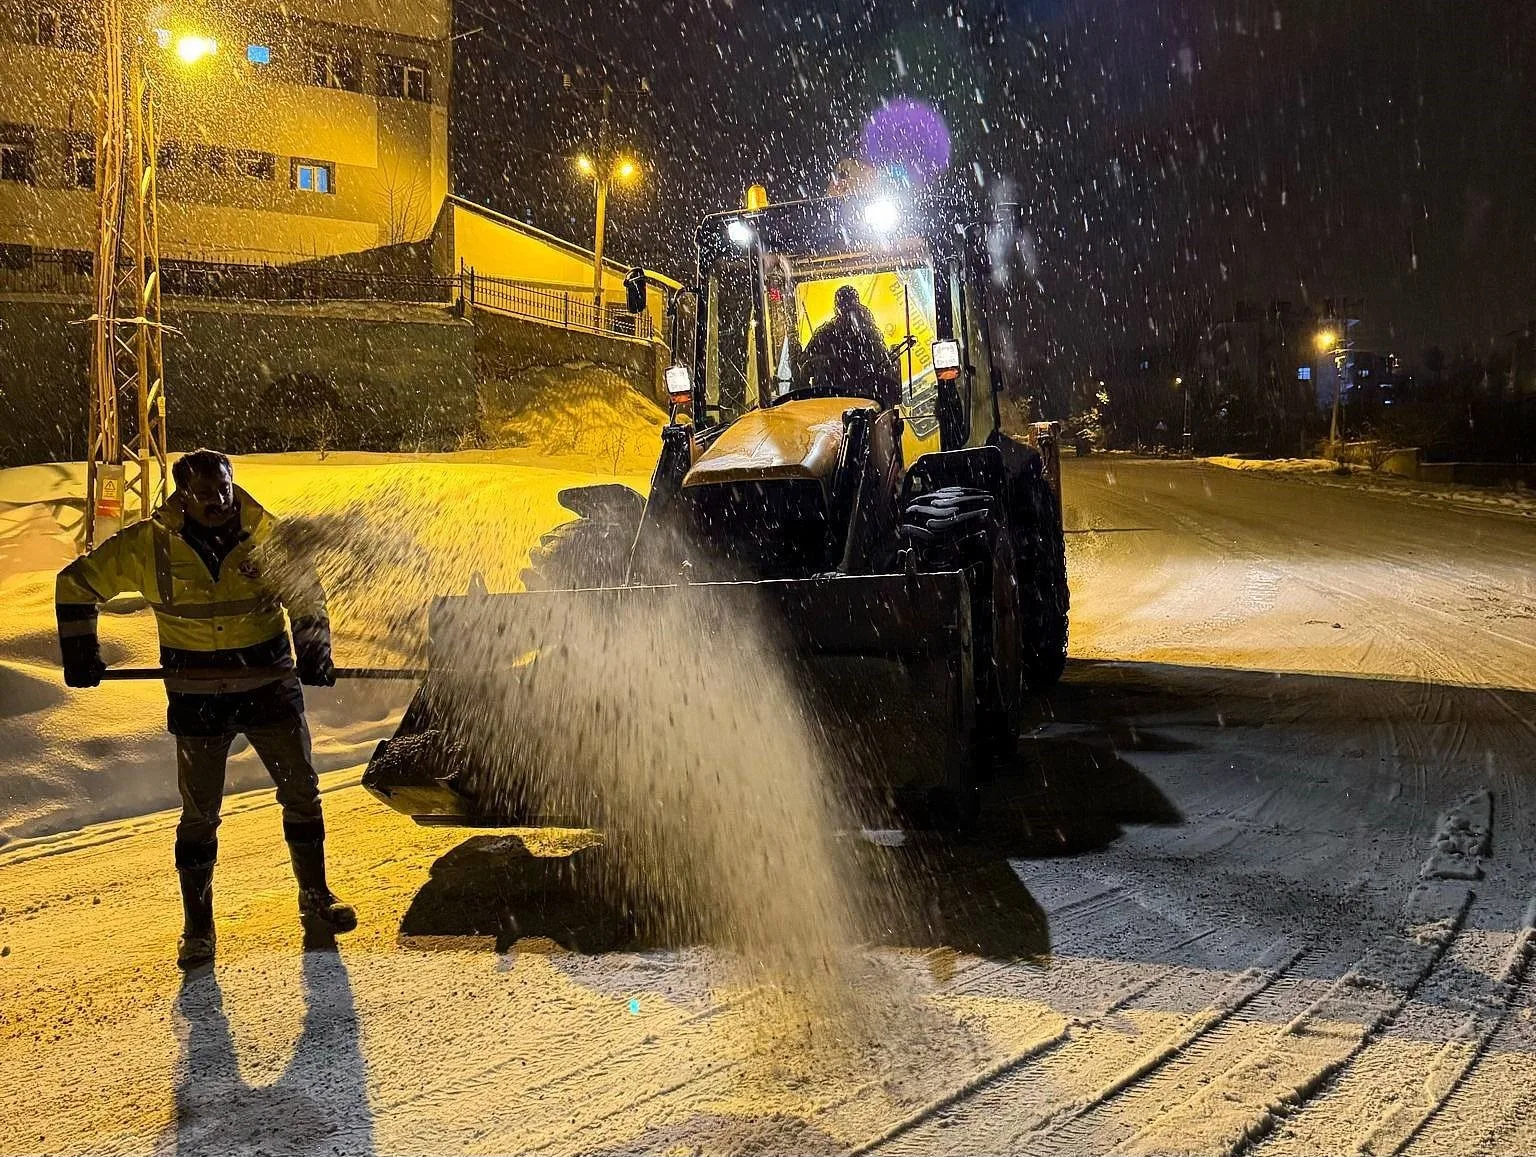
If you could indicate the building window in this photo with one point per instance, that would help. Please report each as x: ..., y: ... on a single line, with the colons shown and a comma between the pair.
x: 403, y: 78
x: 258, y: 54
x: 17, y: 157
x: 49, y: 32
x: 332, y: 68
x: 80, y: 161
x: 177, y: 155
x: 314, y: 176
x: 256, y: 165
x: 15, y: 257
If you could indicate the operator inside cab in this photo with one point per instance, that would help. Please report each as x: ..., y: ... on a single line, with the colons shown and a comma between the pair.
x: 847, y: 354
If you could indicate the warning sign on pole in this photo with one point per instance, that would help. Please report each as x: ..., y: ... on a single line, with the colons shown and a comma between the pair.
x: 109, y: 501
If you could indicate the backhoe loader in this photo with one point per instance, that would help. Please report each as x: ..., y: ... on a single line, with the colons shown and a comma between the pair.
x: 905, y: 548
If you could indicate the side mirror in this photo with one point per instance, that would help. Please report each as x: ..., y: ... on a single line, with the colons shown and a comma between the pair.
x: 634, y: 290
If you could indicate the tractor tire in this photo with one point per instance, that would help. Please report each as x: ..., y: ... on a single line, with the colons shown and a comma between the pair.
x: 1045, y: 599
x: 956, y: 527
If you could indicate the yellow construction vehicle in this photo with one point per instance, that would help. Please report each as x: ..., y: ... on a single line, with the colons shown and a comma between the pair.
x: 857, y: 484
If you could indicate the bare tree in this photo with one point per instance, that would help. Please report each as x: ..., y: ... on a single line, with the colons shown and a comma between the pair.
x: 405, y: 204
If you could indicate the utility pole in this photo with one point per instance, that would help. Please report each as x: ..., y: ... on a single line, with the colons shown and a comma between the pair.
x: 126, y: 347
x: 604, y: 169
x: 604, y: 165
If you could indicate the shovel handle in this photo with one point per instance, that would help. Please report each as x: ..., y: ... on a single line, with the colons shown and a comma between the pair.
x: 274, y: 672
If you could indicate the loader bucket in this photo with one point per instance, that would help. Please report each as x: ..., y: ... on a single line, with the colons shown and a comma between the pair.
x: 882, y: 666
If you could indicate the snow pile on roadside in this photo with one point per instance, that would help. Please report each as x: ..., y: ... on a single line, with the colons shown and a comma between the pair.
x: 575, y: 411
x: 1323, y: 471
x: 1281, y: 465
x: 74, y: 757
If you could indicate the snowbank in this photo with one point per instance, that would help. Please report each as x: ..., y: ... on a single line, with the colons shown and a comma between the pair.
x: 1280, y: 465
x: 422, y: 526
x: 1325, y: 471
x: 577, y: 412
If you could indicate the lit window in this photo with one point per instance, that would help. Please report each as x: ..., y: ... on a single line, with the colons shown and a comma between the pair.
x: 258, y: 54
x: 80, y: 161
x: 1303, y: 373
x: 314, y: 176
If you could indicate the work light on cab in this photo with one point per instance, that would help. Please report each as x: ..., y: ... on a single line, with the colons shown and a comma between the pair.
x: 679, y: 384
x: 946, y: 360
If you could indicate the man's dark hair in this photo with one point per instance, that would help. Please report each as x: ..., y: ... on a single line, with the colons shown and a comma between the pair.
x: 200, y: 464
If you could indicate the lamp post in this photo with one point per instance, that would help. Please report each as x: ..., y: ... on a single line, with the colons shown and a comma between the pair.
x: 1187, y: 440
x: 1327, y: 343
x: 604, y: 171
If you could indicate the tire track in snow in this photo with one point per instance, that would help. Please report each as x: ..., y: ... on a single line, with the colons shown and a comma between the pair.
x: 1401, y: 1082
x: 1240, y: 990
x: 1453, y: 1077
x: 1240, y: 1085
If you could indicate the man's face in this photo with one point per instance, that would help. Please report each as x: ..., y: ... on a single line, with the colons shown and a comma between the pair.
x: 210, y: 498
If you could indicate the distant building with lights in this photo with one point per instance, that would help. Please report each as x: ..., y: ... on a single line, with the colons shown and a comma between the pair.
x: 288, y: 129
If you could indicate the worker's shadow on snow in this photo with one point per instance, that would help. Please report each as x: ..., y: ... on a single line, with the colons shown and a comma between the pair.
x: 319, y: 1102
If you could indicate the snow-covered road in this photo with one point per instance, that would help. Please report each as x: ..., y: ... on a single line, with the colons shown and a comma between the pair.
x: 1260, y: 885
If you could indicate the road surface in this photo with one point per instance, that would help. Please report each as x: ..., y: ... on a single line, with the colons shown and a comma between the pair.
x: 1259, y: 883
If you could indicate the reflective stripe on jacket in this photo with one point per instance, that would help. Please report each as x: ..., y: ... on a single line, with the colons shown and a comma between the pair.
x: 194, y: 612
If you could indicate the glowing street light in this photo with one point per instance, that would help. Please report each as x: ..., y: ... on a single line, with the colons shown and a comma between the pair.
x: 193, y: 47
x: 1327, y: 339
x: 602, y: 171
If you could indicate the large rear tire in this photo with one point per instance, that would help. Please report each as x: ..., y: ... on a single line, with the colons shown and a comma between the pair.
x: 1042, y: 549
x: 960, y: 528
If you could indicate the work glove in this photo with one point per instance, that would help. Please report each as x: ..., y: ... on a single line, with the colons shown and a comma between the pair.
x: 312, y: 643
x: 315, y: 666
x: 82, y: 661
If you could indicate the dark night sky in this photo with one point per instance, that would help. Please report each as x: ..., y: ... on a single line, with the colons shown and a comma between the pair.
x: 1174, y: 155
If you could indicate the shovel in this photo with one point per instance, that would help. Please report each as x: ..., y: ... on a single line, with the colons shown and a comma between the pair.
x: 217, y: 674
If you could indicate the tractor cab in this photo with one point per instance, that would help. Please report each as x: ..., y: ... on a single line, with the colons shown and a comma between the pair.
x: 770, y: 328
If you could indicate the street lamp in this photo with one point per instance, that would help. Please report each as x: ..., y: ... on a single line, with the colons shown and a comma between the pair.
x: 1327, y: 341
x: 603, y: 171
x: 191, y: 48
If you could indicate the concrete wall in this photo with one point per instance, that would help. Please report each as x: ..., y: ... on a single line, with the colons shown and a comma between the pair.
x: 507, y: 345
x: 251, y: 376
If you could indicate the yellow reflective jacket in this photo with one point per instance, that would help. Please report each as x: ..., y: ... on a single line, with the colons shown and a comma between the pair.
x: 194, y: 611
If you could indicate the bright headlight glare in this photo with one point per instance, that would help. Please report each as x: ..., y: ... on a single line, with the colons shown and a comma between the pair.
x: 739, y: 232
x: 882, y: 215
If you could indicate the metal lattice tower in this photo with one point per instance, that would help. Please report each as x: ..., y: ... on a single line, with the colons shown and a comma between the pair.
x: 127, y: 365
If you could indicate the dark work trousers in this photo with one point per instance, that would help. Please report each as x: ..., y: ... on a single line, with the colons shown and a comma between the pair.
x: 283, y: 746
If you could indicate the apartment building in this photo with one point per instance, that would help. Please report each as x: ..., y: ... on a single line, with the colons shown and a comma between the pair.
x: 287, y: 129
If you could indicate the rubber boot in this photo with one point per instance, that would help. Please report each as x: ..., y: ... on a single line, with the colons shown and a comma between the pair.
x: 195, y: 948
x: 318, y: 906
